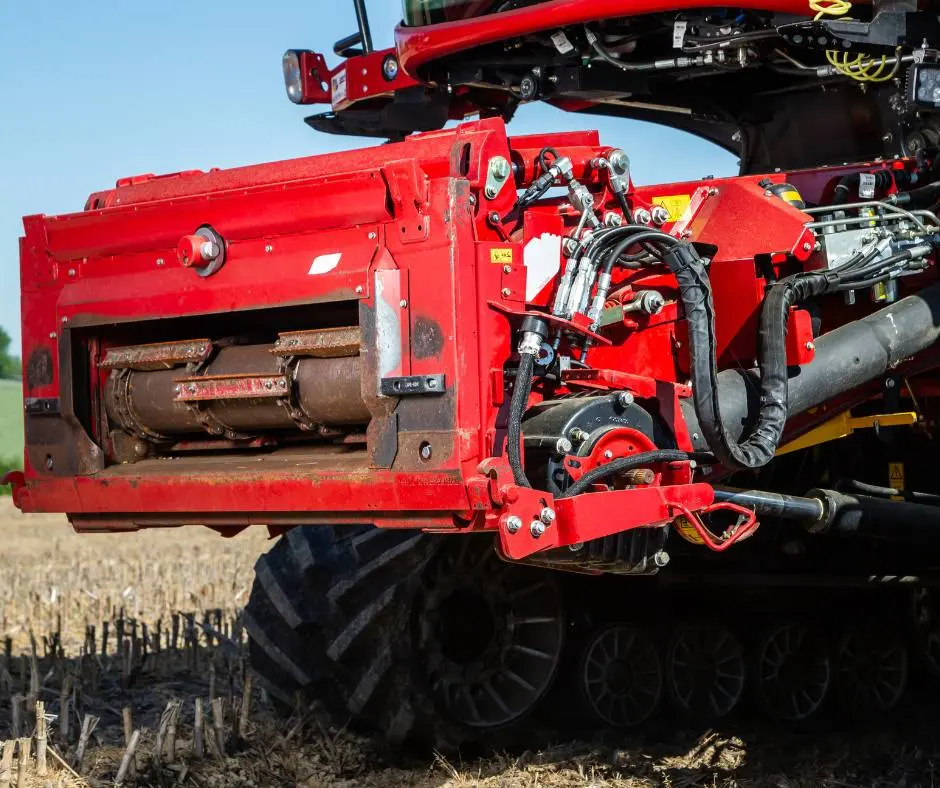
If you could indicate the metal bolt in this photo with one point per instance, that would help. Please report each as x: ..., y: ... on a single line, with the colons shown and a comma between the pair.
x: 608, y: 455
x: 425, y: 452
x: 52, y: 335
x: 659, y: 214
x: 505, y: 292
x: 268, y: 248
x: 562, y: 446
x: 547, y: 515
x: 889, y: 383
x: 642, y: 216
x: 159, y: 261
x: 177, y: 389
x: 268, y: 384
x: 472, y: 199
x: 537, y: 528
x: 513, y: 524
x: 359, y: 289
x: 191, y: 388
x: 64, y: 320
x: 810, y: 345
x: 695, y: 436
x: 713, y: 191
x: 403, y: 303
x: 500, y: 167
x: 372, y: 236
x: 577, y: 547
x: 624, y: 399
x: 807, y: 246
x: 507, y: 269
x: 71, y: 272
x: 50, y: 463
x: 661, y: 558
x: 578, y: 435
x: 612, y: 219
x: 282, y: 384
x: 209, y: 250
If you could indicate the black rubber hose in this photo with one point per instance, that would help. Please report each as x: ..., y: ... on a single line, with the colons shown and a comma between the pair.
x: 646, y: 237
x: 624, y: 464
x: 517, y: 405
x: 849, y: 184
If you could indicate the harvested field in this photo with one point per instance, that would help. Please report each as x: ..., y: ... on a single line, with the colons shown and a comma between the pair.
x: 57, y: 586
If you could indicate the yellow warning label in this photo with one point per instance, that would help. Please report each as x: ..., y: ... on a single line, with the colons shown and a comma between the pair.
x: 675, y: 204
x: 686, y: 531
x: 501, y: 256
x: 896, y: 475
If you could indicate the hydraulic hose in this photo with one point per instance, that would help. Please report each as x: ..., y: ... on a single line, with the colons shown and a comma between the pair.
x: 517, y: 406
x: 624, y: 464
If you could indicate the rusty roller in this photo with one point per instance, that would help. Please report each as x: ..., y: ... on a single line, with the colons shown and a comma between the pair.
x: 307, y: 380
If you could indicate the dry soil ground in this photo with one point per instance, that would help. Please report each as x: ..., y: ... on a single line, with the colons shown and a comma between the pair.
x: 52, y: 580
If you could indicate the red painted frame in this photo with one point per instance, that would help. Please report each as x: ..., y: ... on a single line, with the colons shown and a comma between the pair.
x: 419, y: 46
x: 411, y: 223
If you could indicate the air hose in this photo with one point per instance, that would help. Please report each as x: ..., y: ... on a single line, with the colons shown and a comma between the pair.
x: 624, y: 464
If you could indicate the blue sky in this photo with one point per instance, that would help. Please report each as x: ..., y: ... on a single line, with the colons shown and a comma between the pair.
x: 95, y: 91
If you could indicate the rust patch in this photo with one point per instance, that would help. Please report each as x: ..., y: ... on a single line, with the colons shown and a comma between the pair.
x: 39, y: 368
x: 427, y: 339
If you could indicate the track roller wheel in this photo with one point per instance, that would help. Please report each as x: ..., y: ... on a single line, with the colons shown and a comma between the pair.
x: 871, y: 671
x: 489, y: 634
x: 622, y: 675
x: 793, y: 672
x: 413, y: 637
x: 705, y: 670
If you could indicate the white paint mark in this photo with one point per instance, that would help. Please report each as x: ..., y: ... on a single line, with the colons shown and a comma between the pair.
x: 542, y: 259
x: 324, y: 263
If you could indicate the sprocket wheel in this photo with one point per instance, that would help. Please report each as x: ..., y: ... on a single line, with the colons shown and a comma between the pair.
x: 705, y: 669
x: 622, y: 675
x: 871, y: 671
x: 793, y: 672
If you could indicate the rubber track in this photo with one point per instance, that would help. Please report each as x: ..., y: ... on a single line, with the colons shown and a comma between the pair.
x: 329, y: 617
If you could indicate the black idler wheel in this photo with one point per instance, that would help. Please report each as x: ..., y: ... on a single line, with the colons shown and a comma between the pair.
x: 871, y: 671
x: 622, y: 675
x: 793, y: 673
x: 705, y: 670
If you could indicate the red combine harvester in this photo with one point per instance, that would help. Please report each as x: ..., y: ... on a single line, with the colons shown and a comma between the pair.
x: 475, y: 380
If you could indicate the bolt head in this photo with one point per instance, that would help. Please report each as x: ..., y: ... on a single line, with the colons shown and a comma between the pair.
x: 513, y: 524
x: 507, y: 269
x: 810, y: 345
x: 426, y: 452
x: 537, y: 528
x: 209, y: 250
x: 500, y: 167
x: 177, y: 389
x: 562, y: 446
x: 50, y: 463
x: 372, y: 236
x: 160, y: 261
x: 403, y: 303
x: 661, y: 558
x: 505, y: 292
x: 624, y: 399
x: 268, y: 248
x: 642, y: 216
x: 547, y: 515
x: 807, y: 247
x: 71, y: 272
x: 608, y: 455
x: 659, y: 215
x: 359, y: 289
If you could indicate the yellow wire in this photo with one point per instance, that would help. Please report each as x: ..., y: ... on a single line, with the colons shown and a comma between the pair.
x: 859, y: 68
x: 829, y: 8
